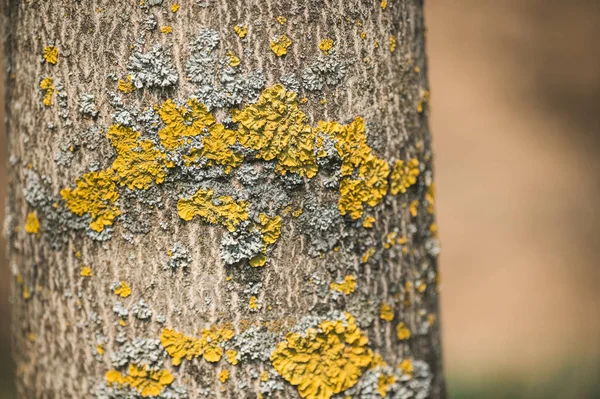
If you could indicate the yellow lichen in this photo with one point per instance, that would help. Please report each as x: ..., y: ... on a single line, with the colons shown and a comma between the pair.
x: 221, y: 210
x: 392, y: 43
x: 386, y: 312
x: 404, y: 175
x: 406, y: 367
x: 209, y: 345
x: 138, y: 162
x: 123, y: 290
x: 147, y: 383
x: 50, y: 54
x: 414, y: 208
x: 32, y: 224
x: 241, y: 30
x: 276, y: 128
x: 368, y: 222
x: 324, y: 361
x: 402, y: 332
x: 175, y: 7
x: 326, y: 45
x: 183, y: 122
x: 367, y: 255
x: 224, y: 376
x: 430, y: 198
x: 126, y: 85
x: 233, y: 59
x: 47, y: 84
x: 270, y: 227
x: 253, y: 303
x: 232, y: 356
x: 346, y: 287
x: 264, y: 376
x: 279, y: 45
x: 370, y: 184
x: 99, y: 349
x: 384, y: 382
x: 216, y: 149
x: 424, y: 98
x: 281, y: 19
x: 95, y: 194
x: 166, y: 29
x: 85, y: 271
x: 383, y: 6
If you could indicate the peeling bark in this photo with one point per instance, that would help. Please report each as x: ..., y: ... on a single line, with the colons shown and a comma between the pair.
x: 221, y: 199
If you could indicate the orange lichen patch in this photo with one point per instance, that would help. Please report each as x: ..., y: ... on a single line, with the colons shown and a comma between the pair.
x: 183, y: 122
x: 386, y: 312
x: 233, y: 59
x: 95, y: 195
x: 281, y: 19
x: 326, y: 45
x: 32, y: 224
x: 241, y: 30
x: 47, y: 84
x: 324, y: 361
x: 404, y: 175
x: 126, y: 85
x: 392, y: 43
x: 166, y: 29
x: 224, y: 376
x: 276, y: 128
x: 138, y: 163
x: 221, y: 210
x: 383, y: 6
x: 50, y: 54
x: 123, y: 290
x: 209, y: 345
x: 402, y: 332
x: 384, y: 383
x: 147, y: 383
x: 85, y: 271
x: 346, y: 287
x: 175, y: 7
x: 231, y: 355
x: 279, y: 45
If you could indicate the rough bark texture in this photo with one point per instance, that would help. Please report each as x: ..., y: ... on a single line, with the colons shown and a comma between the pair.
x: 338, y: 272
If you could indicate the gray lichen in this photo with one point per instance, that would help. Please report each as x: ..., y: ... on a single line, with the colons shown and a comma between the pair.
x: 87, y: 106
x: 152, y: 69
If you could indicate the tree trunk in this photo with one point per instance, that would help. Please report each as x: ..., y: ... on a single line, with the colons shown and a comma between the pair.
x: 226, y: 199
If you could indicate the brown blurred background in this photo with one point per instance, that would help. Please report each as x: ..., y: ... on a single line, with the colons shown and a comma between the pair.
x: 516, y: 98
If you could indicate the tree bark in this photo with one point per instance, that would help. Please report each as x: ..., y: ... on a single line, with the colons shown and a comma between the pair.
x: 225, y: 199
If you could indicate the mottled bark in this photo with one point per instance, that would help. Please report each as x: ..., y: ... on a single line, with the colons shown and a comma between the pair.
x: 73, y: 320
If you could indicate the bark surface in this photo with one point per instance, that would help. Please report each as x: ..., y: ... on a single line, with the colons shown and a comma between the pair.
x: 221, y: 199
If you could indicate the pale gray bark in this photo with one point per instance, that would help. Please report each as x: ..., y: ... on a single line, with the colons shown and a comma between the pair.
x: 59, y: 325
